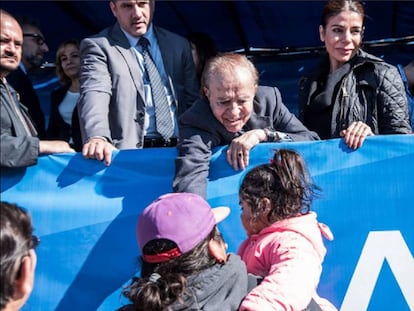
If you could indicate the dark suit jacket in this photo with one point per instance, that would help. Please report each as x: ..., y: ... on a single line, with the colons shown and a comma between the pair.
x: 28, y: 97
x: 200, y: 131
x: 58, y: 128
x: 18, y: 147
x: 112, y: 90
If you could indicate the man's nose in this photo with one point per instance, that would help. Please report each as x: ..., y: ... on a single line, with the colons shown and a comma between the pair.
x: 11, y: 49
x: 44, y: 48
x: 136, y: 12
x: 234, y: 108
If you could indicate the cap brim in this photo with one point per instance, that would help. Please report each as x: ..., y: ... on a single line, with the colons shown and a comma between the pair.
x: 220, y: 213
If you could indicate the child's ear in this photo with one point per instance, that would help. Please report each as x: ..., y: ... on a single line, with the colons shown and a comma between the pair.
x: 217, y: 250
x: 265, y: 206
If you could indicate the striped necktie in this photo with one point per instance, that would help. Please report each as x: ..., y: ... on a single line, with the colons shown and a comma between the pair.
x: 163, y: 119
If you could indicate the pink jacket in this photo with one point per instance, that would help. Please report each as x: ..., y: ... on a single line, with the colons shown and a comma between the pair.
x: 289, y: 255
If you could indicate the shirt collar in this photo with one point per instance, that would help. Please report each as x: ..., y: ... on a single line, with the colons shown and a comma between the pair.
x: 134, y: 40
x: 21, y: 65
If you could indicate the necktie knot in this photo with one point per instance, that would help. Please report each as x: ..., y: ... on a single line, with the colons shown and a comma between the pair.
x: 144, y: 43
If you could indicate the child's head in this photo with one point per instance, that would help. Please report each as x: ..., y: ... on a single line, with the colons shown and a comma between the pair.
x: 276, y: 191
x: 178, y: 237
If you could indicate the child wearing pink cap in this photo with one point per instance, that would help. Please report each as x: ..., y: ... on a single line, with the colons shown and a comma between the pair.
x: 184, y: 261
x: 284, y: 244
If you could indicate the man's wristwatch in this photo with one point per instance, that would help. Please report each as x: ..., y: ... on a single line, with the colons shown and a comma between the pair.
x: 271, y: 134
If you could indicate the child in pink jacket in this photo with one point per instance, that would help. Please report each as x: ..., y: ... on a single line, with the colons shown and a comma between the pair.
x: 284, y: 244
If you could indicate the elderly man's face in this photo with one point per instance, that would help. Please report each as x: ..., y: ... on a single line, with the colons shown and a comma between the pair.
x: 11, y: 40
x: 231, y: 98
x: 134, y: 16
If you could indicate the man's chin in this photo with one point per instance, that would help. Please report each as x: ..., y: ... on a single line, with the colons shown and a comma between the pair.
x: 138, y: 31
x: 233, y: 129
x: 5, y: 70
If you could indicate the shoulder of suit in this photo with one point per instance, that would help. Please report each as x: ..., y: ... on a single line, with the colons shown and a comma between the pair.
x: 263, y: 90
x: 162, y: 32
x: 199, y: 108
x: 104, y: 35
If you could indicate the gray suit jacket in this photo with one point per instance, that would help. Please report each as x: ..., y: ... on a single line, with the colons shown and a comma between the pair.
x: 18, y: 148
x: 200, y: 131
x: 111, y: 103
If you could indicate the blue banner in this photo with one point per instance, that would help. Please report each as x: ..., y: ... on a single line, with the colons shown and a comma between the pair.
x: 85, y: 214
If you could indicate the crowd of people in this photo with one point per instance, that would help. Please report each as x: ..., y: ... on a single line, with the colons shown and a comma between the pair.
x: 136, y: 85
x: 132, y: 86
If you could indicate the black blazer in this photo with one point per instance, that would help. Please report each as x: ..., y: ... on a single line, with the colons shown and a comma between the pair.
x: 58, y: 128
x: 28, y: 97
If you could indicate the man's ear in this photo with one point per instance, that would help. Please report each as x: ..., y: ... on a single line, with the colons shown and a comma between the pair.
x: 205, y: 91
x: 113, y: 8
x: 217, y: 250
x: 25, y: 280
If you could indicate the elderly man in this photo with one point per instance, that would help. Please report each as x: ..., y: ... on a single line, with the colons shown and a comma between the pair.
x: 234, y: 111
x: 20, y: 145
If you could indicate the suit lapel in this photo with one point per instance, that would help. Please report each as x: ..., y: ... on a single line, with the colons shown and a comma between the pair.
x: 130, y: 58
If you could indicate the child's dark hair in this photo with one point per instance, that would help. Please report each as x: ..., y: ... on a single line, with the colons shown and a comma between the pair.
x: 285, y: 182
x: 169, y: 283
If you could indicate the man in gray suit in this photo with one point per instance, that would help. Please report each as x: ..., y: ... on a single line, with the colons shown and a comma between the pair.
x: 116, y: 106
x: 234, y: 111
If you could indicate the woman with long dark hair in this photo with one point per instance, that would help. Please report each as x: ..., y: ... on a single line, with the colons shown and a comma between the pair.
x: 352, y: 94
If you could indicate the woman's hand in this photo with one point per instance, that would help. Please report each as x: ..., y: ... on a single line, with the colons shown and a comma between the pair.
x: 355, y: 134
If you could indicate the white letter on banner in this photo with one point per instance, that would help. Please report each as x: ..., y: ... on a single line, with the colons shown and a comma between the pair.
x: 380, y: 245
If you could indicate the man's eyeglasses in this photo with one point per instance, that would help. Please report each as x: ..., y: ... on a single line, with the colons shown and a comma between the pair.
x: 38, y: 38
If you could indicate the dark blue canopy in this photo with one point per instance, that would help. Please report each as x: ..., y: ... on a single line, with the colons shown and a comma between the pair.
x: 281, y: 36
x: 234, y: 25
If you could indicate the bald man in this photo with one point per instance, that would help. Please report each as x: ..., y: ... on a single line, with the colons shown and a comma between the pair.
x: 19, y: 142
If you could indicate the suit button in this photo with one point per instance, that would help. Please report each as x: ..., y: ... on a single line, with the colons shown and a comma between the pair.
x: 139, y: 145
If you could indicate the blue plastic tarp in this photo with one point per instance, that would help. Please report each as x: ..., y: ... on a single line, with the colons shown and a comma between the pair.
x: 85, y: 214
